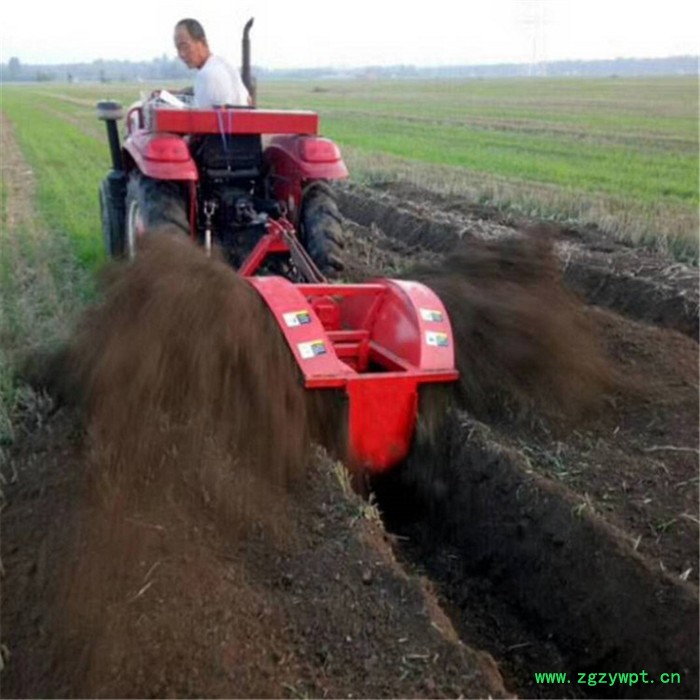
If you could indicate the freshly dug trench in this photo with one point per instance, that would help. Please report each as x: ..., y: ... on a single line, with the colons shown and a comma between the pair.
x: 632, y: 281
x: 573, y: 577
x: 636, y: 297
x: 366, y: 207
x: 527, y: 350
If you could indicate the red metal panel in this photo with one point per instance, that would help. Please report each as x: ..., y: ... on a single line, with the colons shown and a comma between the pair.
x: 303, y: 331
x: 342, y: 291
x: 232, y: 121
x: 382, y: 417
x: 411, y: 323
x: 314, y: 149
x: 161, y: 156
x: 290, y: 172
x: 382, y: 405
x: 286, y: 153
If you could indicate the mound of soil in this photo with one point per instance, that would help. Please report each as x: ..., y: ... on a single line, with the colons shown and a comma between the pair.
x: 200, y: 612
x: 202, y: 550
x: 197, y: 555
x: 183, y: 348
x: 524, y: 345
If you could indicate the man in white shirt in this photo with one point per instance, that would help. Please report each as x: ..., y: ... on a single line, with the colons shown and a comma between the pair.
x: 217, y: 82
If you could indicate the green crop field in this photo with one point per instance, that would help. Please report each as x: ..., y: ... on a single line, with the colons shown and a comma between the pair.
x: 625, y: 138
x: 620, y: 153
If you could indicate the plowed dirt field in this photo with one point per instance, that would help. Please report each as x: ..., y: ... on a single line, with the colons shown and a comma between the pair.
x: 526, y: 537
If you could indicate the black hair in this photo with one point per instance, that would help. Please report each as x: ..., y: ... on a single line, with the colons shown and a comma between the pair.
x: 194, y: 29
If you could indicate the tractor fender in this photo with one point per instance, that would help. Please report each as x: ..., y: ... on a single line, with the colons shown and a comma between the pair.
x: 294, y: 160
x: 309, y: 157
x: 161, y: 156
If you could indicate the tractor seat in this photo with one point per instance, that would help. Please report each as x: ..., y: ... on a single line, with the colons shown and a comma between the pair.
x: 230, y: 156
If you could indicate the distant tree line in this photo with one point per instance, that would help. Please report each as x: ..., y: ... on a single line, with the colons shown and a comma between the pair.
x: 165, y: 68
x: 162, y: 68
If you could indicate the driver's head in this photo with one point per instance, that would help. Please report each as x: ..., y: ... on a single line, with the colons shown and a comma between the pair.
x: 191, y: 43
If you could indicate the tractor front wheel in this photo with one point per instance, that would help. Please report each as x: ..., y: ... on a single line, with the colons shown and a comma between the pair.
x: 151, y: 203
x: 321, y: 229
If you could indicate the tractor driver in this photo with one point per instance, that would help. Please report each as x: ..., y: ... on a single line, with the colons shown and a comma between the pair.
x: 217, y: 82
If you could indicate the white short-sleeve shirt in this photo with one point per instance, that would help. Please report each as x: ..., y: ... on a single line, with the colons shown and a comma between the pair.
x: 219, y: 83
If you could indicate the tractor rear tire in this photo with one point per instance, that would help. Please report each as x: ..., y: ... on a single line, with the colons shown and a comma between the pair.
x: 321, y: 229
x: 112, y: 191
x: 151, y: 203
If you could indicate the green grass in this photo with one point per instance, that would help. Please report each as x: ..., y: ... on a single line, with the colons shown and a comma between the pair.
x: 606, y: 169
x: 611, y: 107
x: 68, y: 166
x: 619, y: 153
x: 45, y: 271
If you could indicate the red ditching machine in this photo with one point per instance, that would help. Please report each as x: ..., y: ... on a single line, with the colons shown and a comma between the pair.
x: 255, y: 182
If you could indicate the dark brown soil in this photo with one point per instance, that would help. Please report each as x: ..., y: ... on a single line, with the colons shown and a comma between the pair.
x: 195, y: 611
x: 490, y: 516
x: 556, y: 520
x: 636, y: 461
x: 183, y: 374
x: 190, y: 545
x: 514, y: 359
x: 629, y: 468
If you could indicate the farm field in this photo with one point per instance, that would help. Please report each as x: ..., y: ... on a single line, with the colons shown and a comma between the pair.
x: 542, y: 540
x: 619, y: 153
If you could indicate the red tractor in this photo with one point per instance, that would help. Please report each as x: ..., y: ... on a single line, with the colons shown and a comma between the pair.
x: 223, y: 175
x: 256, y: 183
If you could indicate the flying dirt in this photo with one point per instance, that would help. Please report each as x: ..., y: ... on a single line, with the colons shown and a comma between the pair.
x: 196, y: 417
x: 524, y: 345
x: 203, y: 557
x: 184, y: 523
x: 183, y: 350
x: 196, y: 420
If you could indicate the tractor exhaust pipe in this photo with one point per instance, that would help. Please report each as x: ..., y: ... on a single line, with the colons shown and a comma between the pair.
x: 246, y: 74
x: 110, y: 112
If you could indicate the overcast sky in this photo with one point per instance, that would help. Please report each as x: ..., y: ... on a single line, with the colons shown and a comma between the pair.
x: 343, y: 33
